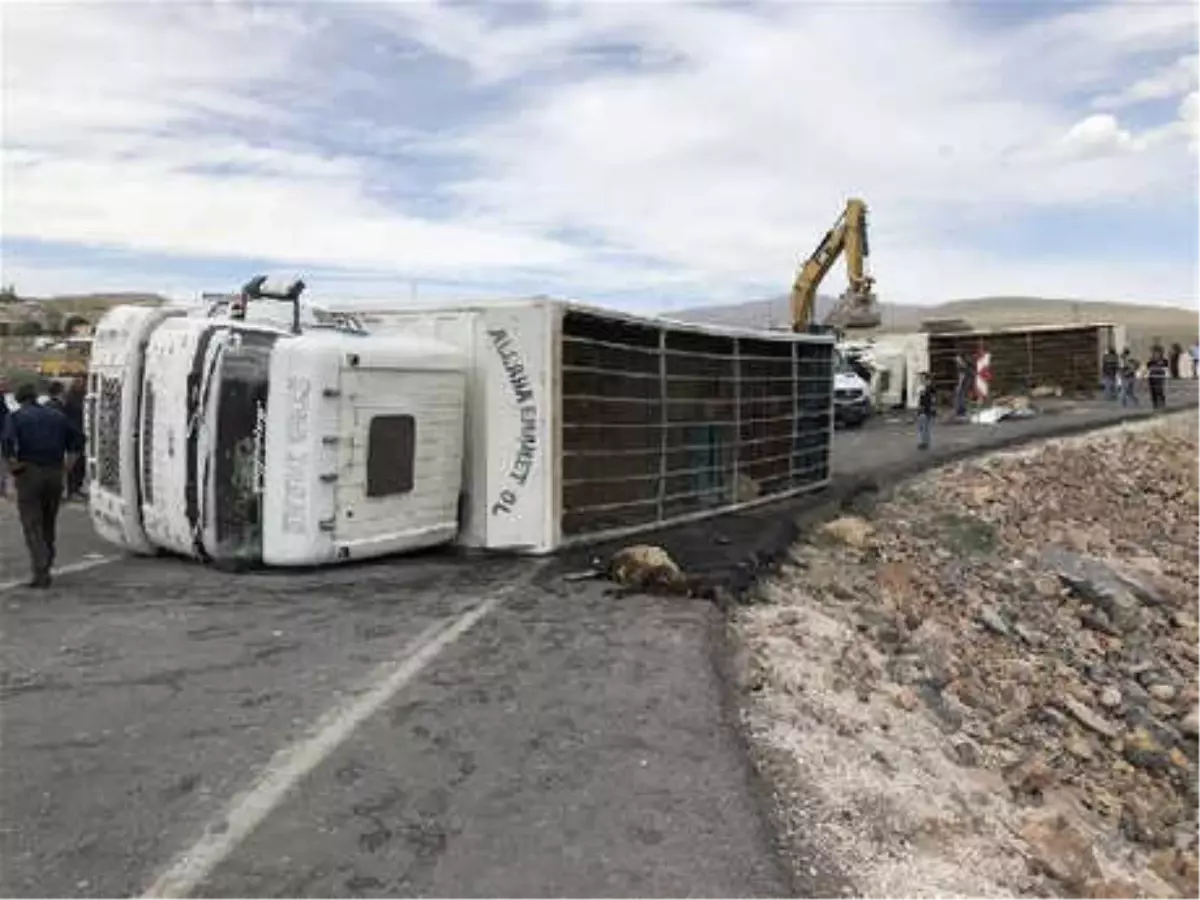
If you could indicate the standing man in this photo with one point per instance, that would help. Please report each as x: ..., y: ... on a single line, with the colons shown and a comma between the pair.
x: 926, y: 410
x: 1158, y: 369
x: 4, y: 413
x: 966, y: 372
x: 1129, y: 367
x: 39, y: 443
x: 1195, y: 354
x: 55, y: 394
x: 73, y: 410
x: 1110, y: 372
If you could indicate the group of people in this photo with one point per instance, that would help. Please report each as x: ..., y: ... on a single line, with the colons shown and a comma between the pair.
x: 41, y: 445
x: 1119, y: 373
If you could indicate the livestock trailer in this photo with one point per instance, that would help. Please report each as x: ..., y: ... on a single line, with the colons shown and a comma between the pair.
x: 1022, y: 358
x: 584, y: 423
x: 1027, y: 357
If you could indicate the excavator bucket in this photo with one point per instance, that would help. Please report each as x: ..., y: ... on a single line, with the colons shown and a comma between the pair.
x: 855, y: 310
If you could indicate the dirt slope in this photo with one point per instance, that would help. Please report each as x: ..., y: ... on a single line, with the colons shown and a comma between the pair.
x: 990, y: 689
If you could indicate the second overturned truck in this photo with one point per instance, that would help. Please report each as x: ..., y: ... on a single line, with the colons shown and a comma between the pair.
x: 245, y: 434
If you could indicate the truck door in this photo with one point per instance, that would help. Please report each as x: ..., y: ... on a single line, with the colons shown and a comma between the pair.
x: 399, y: 474
x: 377, y: 465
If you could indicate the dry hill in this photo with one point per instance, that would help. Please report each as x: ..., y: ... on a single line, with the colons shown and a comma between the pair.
x: 94, y: 305
x: 1144, y: 324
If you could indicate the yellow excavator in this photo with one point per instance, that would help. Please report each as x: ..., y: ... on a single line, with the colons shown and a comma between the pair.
x: 857, y: 306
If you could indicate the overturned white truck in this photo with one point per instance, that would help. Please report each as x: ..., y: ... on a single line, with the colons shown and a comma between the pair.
x: 246, y: 442
x: 266, y: 433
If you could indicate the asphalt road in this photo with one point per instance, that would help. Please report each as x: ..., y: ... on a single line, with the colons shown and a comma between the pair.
x: 422, y: 726
x: 568, y: 745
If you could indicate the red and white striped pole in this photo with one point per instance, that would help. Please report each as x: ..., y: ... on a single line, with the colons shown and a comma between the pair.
x: 983, y: 374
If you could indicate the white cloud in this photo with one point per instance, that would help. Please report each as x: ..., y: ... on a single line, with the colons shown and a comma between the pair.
x: 1169, y: 81
x: 1099, y: 133
x: 494, y: 53
x: 280, y: 215
x: 716, y: 173
x: 1189, y: 119
x: 739, y: 160
x: 105, y: 130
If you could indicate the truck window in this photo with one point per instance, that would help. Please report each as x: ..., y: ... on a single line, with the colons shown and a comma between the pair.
x: 107, y: 433
x: 147, y: 443
x: 237, y: 464
x: 391, y: 446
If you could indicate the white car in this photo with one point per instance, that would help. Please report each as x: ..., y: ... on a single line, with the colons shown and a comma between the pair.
x: 851, y: 395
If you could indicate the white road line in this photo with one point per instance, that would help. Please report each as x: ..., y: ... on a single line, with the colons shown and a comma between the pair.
x: 293, y: 763
x: 81, y: 566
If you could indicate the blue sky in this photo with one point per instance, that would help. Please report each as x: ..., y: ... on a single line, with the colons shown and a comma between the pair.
x: 649, y: 155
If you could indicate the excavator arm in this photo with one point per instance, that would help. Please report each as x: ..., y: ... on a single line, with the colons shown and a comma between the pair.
x: 856, y: 307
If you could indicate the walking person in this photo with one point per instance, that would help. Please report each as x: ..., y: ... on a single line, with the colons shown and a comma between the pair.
x: 39, y: 443
x: 1129, y: 367
x: 1110, y: 373
x: 926, y: 410
x: 1195, y: 354
x: 1158, y: 369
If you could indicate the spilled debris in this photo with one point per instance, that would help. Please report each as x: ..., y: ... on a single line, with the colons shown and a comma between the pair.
x: 644, y: 568
x: 1002, y: 408
x: 990, y: 688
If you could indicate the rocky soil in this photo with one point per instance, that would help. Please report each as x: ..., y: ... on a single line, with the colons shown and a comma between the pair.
x: 990, y: 688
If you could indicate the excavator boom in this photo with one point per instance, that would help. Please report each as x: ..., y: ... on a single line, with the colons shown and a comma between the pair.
x: 857, y: 307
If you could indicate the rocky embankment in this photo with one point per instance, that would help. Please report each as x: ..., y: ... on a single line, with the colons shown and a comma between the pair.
x: 990, y: 687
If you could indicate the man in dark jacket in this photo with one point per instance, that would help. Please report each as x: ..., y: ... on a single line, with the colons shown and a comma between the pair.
x: 1129, y: 369
x: 4, y: 412
x: 926, y: 410
x: 1173, y: 358
x: 1110, y: 373
x: 1157, y: 370
x: 38, y: 444
x: 965, y: 373
x: 73, y: 410
x: 55, y: 399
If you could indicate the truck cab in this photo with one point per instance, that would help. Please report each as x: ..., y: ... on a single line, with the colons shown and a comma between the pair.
x: 246, y: 442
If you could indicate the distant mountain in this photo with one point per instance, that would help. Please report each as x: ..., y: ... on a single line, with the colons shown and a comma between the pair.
x: 111, y: 299
x: 985, y: 311
x: 67, y: 313
x: 95, y: 304
x: 1144, y: 324
x: 776, y: 311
